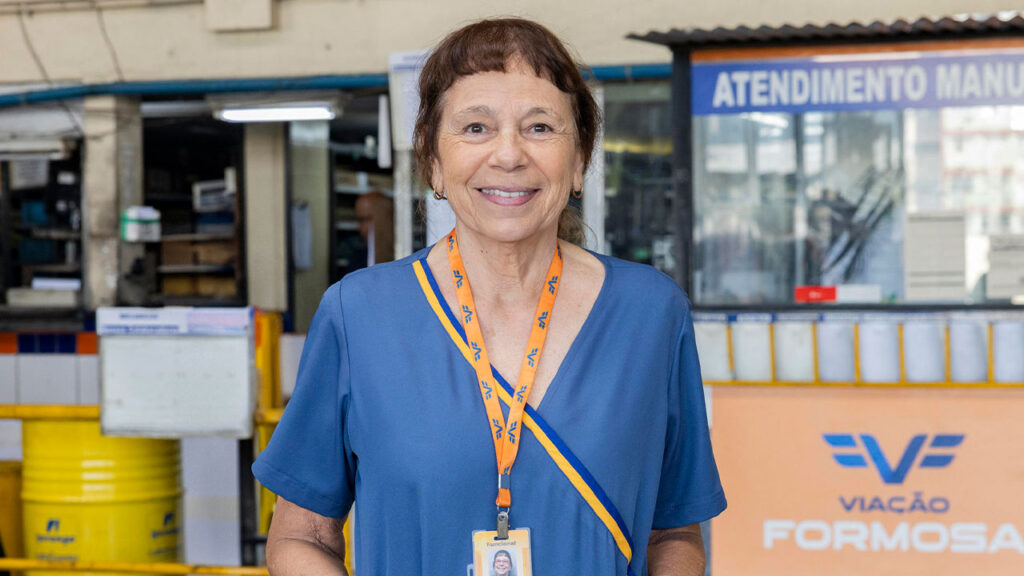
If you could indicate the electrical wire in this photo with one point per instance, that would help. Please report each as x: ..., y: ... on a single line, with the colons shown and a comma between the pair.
x: 106, y: 38
x: 42, y: 71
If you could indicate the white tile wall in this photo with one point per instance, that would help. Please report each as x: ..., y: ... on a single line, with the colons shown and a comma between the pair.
x: 210, y: 477
x: 8, y: 379
x: 47, y: 378
x: 291, y: 352
x: 88, y: 379
x: 10, y: 440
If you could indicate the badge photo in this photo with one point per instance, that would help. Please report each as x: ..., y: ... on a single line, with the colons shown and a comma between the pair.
x: 508, y: 557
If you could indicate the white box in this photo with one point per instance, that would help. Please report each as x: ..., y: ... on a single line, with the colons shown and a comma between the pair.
x: 879, y: 351
x: 176, y: 372
x: 924, y: 349
x: 1008, y: 341
x: 835, y: 352
x: 713, y: 350
x: 968, y: 350
x: 794, y: 351
x: 751, y: 346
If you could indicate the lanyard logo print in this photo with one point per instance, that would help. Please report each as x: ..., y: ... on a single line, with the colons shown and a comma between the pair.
x: 504, y: 434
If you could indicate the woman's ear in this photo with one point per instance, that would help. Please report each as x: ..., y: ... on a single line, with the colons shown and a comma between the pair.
x: 577, y: 174
x: 436, y: 180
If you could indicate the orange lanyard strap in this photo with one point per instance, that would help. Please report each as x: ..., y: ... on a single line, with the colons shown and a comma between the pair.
x: 505, y: 434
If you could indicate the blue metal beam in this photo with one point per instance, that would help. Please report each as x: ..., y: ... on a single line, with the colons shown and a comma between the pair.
x: 171, y: 87
x: 339, y: 82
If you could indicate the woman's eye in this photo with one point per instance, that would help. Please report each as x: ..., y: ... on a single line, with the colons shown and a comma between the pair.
x: 475, y: 128
x: 540, y: 128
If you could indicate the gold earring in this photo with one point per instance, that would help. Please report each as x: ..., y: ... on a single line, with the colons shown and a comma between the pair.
x: 577, y: 194
x: 440, y: 195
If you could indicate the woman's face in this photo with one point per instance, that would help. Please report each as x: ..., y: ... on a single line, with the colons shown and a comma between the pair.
x: 507, y: 154
x: 502, y: 564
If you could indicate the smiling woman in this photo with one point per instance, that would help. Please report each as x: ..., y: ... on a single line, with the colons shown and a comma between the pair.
x: 581, y: 369
x: 500, y: 46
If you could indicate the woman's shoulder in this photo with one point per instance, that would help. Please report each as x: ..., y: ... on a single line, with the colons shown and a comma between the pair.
x: 642, y: 282
x: 387, y: 284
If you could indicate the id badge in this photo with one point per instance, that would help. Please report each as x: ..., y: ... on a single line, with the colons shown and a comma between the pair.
x: 508, y: 557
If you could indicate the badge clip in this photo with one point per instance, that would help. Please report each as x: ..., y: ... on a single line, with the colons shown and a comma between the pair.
x: 502, y: 525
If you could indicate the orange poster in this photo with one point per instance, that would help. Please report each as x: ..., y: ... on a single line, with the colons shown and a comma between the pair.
x: 845, y: 481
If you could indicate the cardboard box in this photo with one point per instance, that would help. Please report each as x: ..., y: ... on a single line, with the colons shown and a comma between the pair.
x: 177, y: 254
x: 216, y: 286
x: 178, y: 285
x: 216, y: 253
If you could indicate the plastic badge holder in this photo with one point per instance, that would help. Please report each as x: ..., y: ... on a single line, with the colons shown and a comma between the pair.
x: 835, y: 352
x: 968, y: 347
x: 713, y: 350
x: 1008, y: 340
x: 752, y: 351
x: 794, y: 351
x: 925, y: 351
x: 879, y: 351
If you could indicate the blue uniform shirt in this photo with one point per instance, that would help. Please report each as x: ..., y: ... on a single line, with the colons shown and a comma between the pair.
x: 386, y: 411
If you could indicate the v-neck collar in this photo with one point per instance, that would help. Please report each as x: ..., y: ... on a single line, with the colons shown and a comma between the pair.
x: 570, y: 357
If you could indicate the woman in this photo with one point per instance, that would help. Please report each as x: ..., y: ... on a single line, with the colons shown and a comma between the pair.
x: 502, y: 564
x: 581, y: 368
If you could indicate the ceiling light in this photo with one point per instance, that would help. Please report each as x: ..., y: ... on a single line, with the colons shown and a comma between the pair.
x: 277, y: 113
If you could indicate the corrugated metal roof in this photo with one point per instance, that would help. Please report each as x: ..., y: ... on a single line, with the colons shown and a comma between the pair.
x: 964, y: 26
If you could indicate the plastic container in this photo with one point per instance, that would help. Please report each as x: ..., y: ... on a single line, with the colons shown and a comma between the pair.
x: 88, y: 497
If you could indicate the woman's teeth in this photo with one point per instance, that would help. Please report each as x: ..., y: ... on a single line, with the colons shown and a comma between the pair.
x: 502, y: 193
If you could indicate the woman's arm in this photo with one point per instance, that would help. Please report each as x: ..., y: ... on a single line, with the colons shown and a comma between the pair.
x: 304, y: 543
x: 676, y: 552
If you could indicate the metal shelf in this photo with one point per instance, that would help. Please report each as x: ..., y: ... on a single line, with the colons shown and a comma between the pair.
x: 53, y: 268
x: 56, y: 233
x: 197, y: 237
x: 195, y: 269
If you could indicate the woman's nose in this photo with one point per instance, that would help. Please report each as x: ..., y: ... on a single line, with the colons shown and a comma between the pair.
x: 509, y: 153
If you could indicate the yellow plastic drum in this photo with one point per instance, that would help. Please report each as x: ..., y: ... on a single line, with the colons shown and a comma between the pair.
x: 89, y: 497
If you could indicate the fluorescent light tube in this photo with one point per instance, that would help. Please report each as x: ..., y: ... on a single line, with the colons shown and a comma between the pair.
x: 277, y: 114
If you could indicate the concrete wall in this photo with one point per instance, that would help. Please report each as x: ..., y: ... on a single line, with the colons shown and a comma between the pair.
x: 310, y: 180
x: 309, y: 37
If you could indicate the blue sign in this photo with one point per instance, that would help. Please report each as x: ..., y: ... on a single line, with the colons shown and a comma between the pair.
x: 889, y: 81
x: 894, y: 472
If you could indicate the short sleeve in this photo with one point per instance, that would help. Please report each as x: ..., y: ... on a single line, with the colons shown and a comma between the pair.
x: 690, y: 490
x: 308, y: 461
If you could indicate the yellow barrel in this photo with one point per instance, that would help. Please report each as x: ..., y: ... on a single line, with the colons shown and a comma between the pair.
x: 88, y: 497
x: 10, y: 509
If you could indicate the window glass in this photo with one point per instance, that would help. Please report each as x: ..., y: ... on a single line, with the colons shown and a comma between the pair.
x: 915, y: 205
x: 639, y: 214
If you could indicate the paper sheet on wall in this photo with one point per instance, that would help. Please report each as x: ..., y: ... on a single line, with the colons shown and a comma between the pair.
x: 934, y: 256
x: 1005, y: 266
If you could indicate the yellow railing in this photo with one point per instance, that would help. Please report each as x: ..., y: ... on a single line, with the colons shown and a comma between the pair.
x: 48, y: 412
x: 19, y: 564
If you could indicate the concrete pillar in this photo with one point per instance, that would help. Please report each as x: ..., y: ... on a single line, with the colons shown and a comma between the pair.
x: 311, y: 185
x: 266, y: 214
x: 112, y: 181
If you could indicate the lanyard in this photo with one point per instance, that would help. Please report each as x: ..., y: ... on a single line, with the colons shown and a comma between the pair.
x: 505, y: 434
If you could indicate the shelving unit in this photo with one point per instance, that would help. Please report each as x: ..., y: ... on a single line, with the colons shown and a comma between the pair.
x: 40, y: 222
x: 198, y: 260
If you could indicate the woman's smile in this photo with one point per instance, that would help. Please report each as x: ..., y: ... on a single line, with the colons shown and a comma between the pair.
x: 508, y: 196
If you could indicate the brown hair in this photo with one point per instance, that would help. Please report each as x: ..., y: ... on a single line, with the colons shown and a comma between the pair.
x: 489, y: 46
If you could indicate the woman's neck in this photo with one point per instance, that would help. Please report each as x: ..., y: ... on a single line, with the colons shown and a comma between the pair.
x: 506, y: 272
